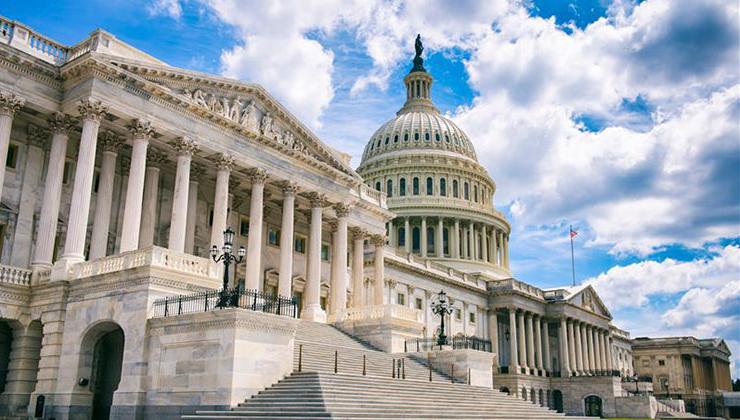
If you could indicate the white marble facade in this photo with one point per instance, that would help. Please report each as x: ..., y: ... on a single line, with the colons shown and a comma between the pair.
x: 121, y: 172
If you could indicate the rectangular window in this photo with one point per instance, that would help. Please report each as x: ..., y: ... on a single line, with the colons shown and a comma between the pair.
x: 300, y: 245
x: 12, y: 160
x: 419, y: 303
x: 401, y: 299
x: 661, y: 362
x: 472, y: 317
x: 67, y: 173
x: 458, y: 314
x: 243, y: 225
x: 323, y: 302
x: 325, y: 252
x: 273, y: 236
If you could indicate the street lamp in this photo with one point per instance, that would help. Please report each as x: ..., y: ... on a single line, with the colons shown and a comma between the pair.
x: 441, y: 306
x: 227, y: 257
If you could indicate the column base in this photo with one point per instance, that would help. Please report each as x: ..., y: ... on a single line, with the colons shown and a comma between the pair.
x: 61, y: 269
x: 313, y: 313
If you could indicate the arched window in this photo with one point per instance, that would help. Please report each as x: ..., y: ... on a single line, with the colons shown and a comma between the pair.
x: 475, y: 193
x: 430, y: 239
x: 430, y: 186
x: 415, y: 240
x: 426, y: 136
x: 387, y: 139
x: 445, y: 241
x: 436, y: 136
x: 442, y: 187
x: 415, y: 186
x: 389, y: 188
x: 406, y: 137
x: 416, y: 136
x: 395, y: 138
x: 377, y: 186
x: 466, y: 191
x: 455, y: 192
x: 402, y: 187
x: 401, y: 237
x: 372, y: 146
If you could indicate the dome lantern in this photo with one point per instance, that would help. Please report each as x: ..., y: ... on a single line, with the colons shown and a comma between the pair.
x: 418, y: 85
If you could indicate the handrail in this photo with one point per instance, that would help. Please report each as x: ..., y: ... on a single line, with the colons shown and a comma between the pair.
x: 457, y: 343
x: 15, y: 275
x: 221, y: 299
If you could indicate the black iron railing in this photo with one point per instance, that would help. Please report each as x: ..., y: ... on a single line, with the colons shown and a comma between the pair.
x: 221, y: 299
x: 428, y: 344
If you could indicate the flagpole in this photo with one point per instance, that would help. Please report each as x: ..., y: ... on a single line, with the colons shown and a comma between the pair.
x: 572, y: 256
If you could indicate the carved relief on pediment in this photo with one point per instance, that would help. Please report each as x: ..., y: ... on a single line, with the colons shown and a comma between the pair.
x: 248, y: 115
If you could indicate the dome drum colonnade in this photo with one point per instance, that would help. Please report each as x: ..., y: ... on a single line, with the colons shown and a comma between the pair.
x: 440, y: 193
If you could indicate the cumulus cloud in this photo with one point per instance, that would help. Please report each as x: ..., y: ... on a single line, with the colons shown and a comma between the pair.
x: 170, y: 8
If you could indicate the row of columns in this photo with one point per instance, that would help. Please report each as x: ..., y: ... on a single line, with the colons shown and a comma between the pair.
x: 584, y: 349
x: 463, y: 240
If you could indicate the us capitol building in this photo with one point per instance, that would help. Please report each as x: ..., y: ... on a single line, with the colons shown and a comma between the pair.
x: 122, y: 175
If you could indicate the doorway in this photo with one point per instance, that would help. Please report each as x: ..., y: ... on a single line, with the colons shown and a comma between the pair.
x: 593, y: 406
x: 106, y: 373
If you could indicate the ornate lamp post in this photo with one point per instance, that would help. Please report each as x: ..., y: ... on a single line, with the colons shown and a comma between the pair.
x: 441, y: 306
x: 227, y: 257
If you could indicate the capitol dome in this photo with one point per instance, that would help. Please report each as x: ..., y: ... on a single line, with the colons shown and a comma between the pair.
x: 441, y: 194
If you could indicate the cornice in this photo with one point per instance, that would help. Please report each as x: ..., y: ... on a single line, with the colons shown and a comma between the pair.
x: 21, y: 62
x: 428, y: 273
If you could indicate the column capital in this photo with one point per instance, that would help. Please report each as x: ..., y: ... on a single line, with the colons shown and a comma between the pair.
x: 378, y: 240
x: 155, y: 157
x: 10, y: 103
x: 61, y: 123
x: 37, y: 136
x: 184, y: 146
x: 342, y: 209
x: 92, y: 109
x: 197, y: 170
x: 110, y: 141
x: 257, y: 175
x: 289, y: 188
x: 141, y: 129
x: 357, y: 232
x: 225, y: 162
x: 317, y: 200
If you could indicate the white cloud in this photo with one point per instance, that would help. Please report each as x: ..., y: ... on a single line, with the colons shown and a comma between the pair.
x: 633, y: 285
x: 170, y: 8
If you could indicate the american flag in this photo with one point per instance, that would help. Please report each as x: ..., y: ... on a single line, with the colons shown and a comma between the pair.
x: 573, y: 233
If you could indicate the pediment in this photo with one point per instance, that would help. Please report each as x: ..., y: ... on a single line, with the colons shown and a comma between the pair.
x: 588, y: 299
x: 244, y: 107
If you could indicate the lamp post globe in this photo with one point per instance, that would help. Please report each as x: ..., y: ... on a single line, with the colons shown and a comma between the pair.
x: 227, y: 257
x: 441, y: 306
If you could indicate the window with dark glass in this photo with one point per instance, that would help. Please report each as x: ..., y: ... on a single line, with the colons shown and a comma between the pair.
x: 389, y: 188
x: 455, y: 193
x: 415, y: 240
x: 416, y: 136
x: 273, y: 236
x: 415, y: 186
x: 401, y: 237
x: 446, y: 241
x: 466, y: 191
x: 244, y: 226
x: 11, y: 161
x: 430, y: 239
x: 426, y: 136
x: 377, y: 186
x: 430, y: 186
x: 475, y: 193
x: 395, y: 138
x: 402, y: 187
x: 299, y: 245
x: 443, y: 187
x: 325, y: 252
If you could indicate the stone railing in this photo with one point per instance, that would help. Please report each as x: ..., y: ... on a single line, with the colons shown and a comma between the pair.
x: 437, y: 201
x: 373, y: 196
x: 516, y: 285
x: 24, y: 38
x: 153, y: 257
x: 427, y: 264
x: 387, y: 311
x: 15, y: 275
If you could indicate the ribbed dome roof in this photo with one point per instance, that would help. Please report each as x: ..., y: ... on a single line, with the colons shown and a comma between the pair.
x: 419, y: 129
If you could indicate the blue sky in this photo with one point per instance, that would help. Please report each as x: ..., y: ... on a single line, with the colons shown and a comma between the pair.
x: 618, y: 117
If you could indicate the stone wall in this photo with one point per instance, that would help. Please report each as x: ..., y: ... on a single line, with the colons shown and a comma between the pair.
x: 575, y: 389
x: 639, y: 406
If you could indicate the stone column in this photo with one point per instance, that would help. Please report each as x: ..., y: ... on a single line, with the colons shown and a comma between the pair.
x: 379, y: 268
x: 465, y: 243
x: 178, y: 223
x: 104, y: 200
x: 339, y: 277
x: 456, y: 240
x: 506, y: 251
x: 196, y: 172
x: 585, y: 351
x: 23, y: 238
x: 493, y: 333
x: 591, y: 349
x: 423, y: 237
x: 312, y: 309
x: 10, y: 103
x: 602, y: 351
x: 407, y: 233
x: 530, y: 342
x: 358, y: 267
x: 594, y: 336
x: 522, y: 341
x: 572, y: 348
x: 565, y: 349
x: 579, y: 348
x: 285, y: 279
x: 538, y: 341
x: 154, y: 159
x: 390, y: 231
x: 47, y: 228
x: 546, y: 345
x: 609, y: 354
x: 440, y: 238
x: 473, y: 242
x: 513, y: 351
x: 221, y: 200
x: 141, y: 131
x: 484, y: 243
x: 74, y: 246
x: 254, y: 239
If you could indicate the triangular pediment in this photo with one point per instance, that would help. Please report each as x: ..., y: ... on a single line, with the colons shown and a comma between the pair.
x: 245, y: 107
x: 587, y: 298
